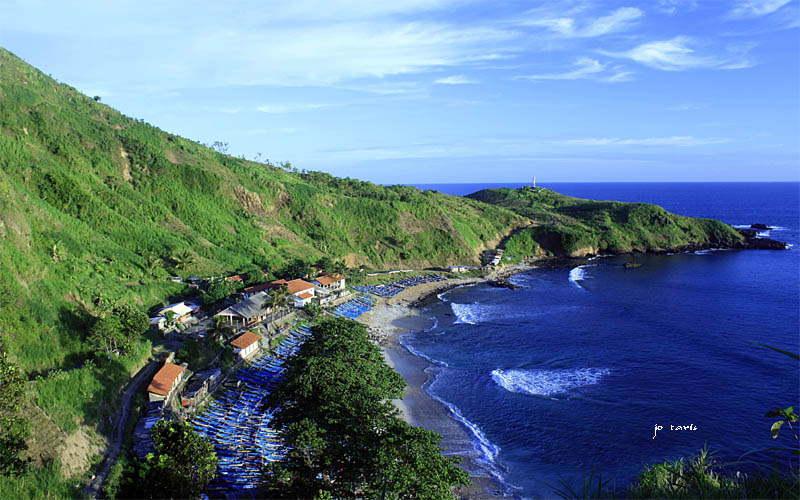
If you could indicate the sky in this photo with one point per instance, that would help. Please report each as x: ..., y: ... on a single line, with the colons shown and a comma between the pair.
x: 439, y: 91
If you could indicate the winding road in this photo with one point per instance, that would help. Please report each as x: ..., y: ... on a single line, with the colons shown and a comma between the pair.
x: 94, y: 488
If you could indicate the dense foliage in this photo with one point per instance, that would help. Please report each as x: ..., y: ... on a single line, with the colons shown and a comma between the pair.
x: 181, y: 467
x: 14, y: 428
x: 343, y: 434
x: 563, y: 225
x: 118, y: 329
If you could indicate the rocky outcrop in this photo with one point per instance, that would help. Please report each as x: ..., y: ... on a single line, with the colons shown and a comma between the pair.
x: 760, y: 226
x: 754, y: 243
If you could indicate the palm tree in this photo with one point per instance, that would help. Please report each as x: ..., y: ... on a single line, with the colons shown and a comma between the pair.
x: 277, y: 299
x: 152, y: 262
x: 339, y: 267
x: 183, y: 259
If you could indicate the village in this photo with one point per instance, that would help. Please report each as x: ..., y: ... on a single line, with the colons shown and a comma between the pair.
x: 254, y: 331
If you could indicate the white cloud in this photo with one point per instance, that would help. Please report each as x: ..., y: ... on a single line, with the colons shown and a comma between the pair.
x: 687, y: 106
x: 671, y: 6
x: 755, y: 8
x: 678, y: 55
x: 300, y: 43
x: 676, y: 140
x: 292, y: 107
x: 619, y: 20
x: 585, y: 68
x: 456, y: 80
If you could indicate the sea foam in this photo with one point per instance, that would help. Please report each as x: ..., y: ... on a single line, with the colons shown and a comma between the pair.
x: 485, y: 449
x: 547, y: 382
x: 420, y: 354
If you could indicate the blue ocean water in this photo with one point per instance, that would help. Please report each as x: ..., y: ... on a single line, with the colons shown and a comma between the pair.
x: 572, y: 372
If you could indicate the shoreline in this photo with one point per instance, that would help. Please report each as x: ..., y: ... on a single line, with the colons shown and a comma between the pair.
x: 388, y: 322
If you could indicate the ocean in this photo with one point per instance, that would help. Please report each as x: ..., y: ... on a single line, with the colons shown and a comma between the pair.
x: 591, y: 367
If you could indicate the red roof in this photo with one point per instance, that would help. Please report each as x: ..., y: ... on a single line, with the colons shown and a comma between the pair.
x: 235, y: 277
x: 278, y: 282
x: 304, y: 296
x: 328, y: 279
x: 259, y: 288
x: 245, y: 340
x: 163, y: 380
x: 298, y: 285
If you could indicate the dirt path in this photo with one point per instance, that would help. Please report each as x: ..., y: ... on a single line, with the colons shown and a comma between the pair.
x: 95, y: 486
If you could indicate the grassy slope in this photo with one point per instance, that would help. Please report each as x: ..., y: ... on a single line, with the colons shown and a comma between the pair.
x: 576, y: 227
x: 88, y: 195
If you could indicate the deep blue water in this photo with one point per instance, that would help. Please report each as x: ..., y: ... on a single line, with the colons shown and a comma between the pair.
x: 571, y: 373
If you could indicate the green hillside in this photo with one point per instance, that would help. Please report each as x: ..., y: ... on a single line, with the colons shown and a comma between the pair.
x: 97, y: 207
x: 566, y: 226
x: 89, y: 198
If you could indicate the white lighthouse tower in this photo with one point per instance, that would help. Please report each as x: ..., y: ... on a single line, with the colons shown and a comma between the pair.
x: 534, y: 182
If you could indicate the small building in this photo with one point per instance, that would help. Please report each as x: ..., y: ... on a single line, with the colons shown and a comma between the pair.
x: 302, y: 290
x: 246, y: 344
x: 329, y: 283
x: 236, y: 278
x: 459, y: 269
x: 158, y: 323
x: 165, y: 381
x: 261, y: 287
x: 302, y: 299
x: 247, y: 312
x: 199, y: 385
x: 180, y: 310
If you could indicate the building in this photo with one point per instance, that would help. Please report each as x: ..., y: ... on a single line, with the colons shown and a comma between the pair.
x: 236, y: 278
x: 165, y: 381
x: 247, y: 312
x: 199, y: 385
x: 158, y: 323
x: 329, y: 283
x: 262, y: 287
x: 246, y: 344
x: 303, y: 291
x: 180, y: 310
x: 459, y: 269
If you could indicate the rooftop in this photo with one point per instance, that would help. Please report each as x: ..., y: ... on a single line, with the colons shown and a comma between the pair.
x: 245, y: 340
x: 163, y: 380
x: 298, y: 285
x: 328, y: 279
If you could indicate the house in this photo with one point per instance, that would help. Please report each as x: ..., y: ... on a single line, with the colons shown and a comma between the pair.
x: 165, y: 381
x: 303, y: 291
x: 158, y: 323
x: 261, y: 287
x: 236, y: 278
x: 247, y: 312
x: 199, y: 385
x: 180, y: 310
x: 246, y: 344
x: 459, y: 269
x: 329, y: 283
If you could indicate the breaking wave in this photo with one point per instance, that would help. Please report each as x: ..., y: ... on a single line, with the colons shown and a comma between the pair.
x: 547, y: 382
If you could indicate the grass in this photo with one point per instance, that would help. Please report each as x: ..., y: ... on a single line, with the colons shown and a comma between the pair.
x: 40, y: 483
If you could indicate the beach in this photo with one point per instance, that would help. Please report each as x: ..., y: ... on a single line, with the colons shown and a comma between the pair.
x: 398, y: 316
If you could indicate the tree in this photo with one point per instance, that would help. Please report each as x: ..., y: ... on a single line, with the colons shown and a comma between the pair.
x: 218, y: 290
x: 183, y: 259
x: 14, y: 428
x: 116, y: 330
x: 182, y: 465
x: 277, y: 299
x: 152, y: 263
x: 343, y: 435
x: 297, y: 268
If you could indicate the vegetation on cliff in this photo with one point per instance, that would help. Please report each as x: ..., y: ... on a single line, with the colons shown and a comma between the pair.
x: 567, y: 226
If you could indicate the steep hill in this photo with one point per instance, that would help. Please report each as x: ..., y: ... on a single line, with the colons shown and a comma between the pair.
x: 89, y: 198
x: 573, y: 227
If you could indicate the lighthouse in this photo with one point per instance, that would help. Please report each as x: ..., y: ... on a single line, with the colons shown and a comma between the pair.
x: 534, y: 182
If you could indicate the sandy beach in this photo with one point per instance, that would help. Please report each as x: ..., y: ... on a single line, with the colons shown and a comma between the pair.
x: 391, y: 319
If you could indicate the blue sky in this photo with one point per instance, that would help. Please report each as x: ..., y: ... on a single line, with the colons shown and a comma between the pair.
x: 415, y: 91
